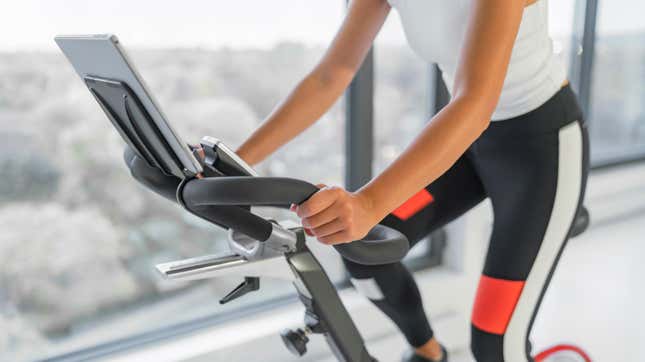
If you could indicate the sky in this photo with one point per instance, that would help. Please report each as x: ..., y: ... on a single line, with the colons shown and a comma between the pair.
x: 31, y: 24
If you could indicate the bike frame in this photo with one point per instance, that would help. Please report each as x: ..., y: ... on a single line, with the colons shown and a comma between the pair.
x: 324, y: 311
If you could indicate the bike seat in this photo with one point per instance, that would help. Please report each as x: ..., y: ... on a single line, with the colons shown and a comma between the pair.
x: 580, y: 222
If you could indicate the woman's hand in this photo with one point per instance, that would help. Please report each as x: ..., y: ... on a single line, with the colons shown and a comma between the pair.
x: 335, y: 215
x: 198, y: 151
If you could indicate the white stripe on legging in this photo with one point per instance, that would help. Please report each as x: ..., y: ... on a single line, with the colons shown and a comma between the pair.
x: 564, y: 208
x: 368, y: 288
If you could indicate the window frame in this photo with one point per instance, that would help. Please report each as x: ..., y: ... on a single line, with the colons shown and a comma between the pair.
x: 583, y: 40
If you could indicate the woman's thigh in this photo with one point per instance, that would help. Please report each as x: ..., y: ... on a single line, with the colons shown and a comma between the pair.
x: 448, y: 197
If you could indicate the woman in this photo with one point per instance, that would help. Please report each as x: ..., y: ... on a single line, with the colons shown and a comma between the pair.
x: 512, y: 132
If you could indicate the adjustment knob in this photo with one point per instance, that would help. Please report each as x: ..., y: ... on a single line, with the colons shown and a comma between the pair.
x: 296, y: 341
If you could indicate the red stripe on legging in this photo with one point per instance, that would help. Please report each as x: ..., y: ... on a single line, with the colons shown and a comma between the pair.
x: 494, y: 303
x: 414, y: 204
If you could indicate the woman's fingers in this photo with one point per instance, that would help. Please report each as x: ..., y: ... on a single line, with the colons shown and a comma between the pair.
x: 336, y: 238
x: 319, y: 202
x: 294, y: 207
x: 334, y: 215
x: 198, y: 151
x: 321, y: 218
x: 329, y: 228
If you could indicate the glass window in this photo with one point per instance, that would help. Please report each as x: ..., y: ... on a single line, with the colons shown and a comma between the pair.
x: 561, y: 23
x: 402, y: 87
x: 401, y: 82
x: 78, y: 237
x: 617, y: 104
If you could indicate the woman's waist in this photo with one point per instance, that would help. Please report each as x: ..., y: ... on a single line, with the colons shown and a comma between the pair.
x: 526, y: 87
x: 559, y: 110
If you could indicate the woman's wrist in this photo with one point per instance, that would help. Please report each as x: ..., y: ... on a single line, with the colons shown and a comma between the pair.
x: 372, y: 204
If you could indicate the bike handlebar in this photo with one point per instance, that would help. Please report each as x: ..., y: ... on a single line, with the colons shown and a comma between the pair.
x: 234, y: 217
x: 382, y: 245
x: 248, y: 190
x: 225, y: 201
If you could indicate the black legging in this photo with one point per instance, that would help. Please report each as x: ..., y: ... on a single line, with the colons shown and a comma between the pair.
x: 534, y: 169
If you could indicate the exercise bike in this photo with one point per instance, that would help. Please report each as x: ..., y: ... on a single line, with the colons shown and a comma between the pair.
x: 221, y: 189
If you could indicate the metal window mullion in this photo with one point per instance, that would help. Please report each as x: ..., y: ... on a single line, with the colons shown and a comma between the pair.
x: 359, y: 129
x: 439, y: 95
x: 584, y: 33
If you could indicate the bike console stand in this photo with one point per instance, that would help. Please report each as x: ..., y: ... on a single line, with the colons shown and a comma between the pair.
x: 324, y: 311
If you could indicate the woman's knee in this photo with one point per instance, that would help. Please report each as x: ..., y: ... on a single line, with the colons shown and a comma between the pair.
x: 365, y: 278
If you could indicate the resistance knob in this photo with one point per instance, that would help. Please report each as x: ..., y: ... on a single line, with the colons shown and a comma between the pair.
x: 295, y: 340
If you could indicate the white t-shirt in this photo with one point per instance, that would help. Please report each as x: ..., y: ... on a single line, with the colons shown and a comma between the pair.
x: 435, y: 30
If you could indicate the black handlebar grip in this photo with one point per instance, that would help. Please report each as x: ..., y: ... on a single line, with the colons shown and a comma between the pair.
x: 236, y: 218
x: 382, y: 245
x: 204, y: 198
x: 151, y: 177
x: 248, y: 190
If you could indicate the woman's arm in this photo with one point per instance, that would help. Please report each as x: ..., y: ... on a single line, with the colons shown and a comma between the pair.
x: 336, y: 216
x: 318, y: 91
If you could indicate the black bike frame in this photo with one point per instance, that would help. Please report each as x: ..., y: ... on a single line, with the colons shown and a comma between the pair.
x: 325, y: 313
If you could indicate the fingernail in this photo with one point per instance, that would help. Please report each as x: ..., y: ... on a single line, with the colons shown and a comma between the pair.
x: 309, y: 232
